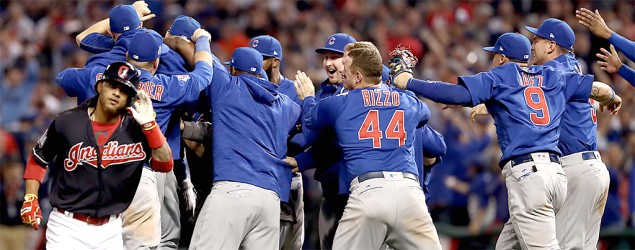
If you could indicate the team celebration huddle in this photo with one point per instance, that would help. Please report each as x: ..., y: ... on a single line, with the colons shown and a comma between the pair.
x: 155, y: 112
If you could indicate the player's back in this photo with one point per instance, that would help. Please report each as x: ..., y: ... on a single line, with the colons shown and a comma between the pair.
x: 579, y: 121
x: 375, y: 129
x: 526, y: 104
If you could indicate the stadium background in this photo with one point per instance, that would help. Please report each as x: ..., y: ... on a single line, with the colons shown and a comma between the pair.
x: 468, y: 197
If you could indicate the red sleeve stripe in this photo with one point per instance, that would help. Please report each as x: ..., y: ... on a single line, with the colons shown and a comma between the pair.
x: 34, y: 171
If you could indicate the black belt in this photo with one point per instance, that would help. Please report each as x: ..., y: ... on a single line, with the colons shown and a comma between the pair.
x: 373, y: 175
x: 588, y: 156
x: 527, y: 158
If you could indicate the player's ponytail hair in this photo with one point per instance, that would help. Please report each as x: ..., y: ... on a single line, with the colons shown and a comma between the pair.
x: 366, y: 59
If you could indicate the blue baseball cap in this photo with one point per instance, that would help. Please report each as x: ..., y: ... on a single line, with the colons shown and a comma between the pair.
x: 144, y: 47
x: 123, y: 18
x: 184, y: 26
x: 336, y: 43
x: 512, y: 45
x: 246, y: 59
x: 555, y: 30
x: 267, y: 46
x: 158, y: 37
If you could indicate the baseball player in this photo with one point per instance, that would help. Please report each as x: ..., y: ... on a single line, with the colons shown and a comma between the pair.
x: 167, y: 93
x: 325, y: 155
x: 94, y: 174
x: 527, y: 106
x: 595, y: 23
x: 292, y: 212
x: 429, y: 145
x: 376, y: 131
x: 251, y: 122
x: 578, y: 221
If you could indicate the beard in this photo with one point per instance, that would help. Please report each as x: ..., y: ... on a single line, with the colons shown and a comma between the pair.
x: 269, y: 70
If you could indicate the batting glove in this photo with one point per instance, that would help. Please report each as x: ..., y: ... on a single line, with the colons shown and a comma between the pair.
x: 142, y: 112
x: 189, y: 195
x: 30, y: 212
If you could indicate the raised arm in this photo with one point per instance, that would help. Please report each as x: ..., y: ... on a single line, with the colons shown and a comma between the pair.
x: 596, y: 24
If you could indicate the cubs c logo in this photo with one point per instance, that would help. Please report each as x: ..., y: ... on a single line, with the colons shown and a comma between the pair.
x: 332, y: 40
x: 123, y: 71
x: 255, y: 44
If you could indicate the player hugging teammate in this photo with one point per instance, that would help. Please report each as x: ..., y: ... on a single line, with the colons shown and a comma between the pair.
x: 117, y: 169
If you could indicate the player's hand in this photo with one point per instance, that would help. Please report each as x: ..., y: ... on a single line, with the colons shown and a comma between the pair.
x: 293, y: 163
x: 142, y: 112
x: 478, y: 110
x: 189, y: 195
x: 401, y: 62
x: 612, y: 106
x: 199, y: 33
x: 30, y: 213
x: 143, y: 10
x: 594, y: 22
x: 303, y: 85
x: 610, y: 60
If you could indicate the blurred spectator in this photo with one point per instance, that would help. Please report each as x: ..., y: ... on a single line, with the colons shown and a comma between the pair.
x: 13, y: 234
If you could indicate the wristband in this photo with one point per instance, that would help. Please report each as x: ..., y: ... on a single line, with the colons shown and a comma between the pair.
x: 30, y: 197
x: 202, y: 44
x: 153, y: 134
x: 612, y: 95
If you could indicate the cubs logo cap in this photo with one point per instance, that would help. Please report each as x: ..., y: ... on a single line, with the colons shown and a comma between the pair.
x: 336, y: 43
x: 123, y: 18
x: 512, y: 45
x: 555, y: 30
x: 246, y: 59
x: 184, y: 26
x: 268, y: 46
x: 145, y: 47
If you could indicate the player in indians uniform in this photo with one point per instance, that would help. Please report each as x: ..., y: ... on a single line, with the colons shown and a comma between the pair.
x: 376, y: 130
x: 527, y: 106
x: 96, y: 169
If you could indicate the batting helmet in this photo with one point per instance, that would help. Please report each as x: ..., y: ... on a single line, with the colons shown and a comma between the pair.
x: 125, y: 74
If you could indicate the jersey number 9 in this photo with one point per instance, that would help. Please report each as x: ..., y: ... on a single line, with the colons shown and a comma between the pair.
x: 535, y: 99
x: 370, y: 128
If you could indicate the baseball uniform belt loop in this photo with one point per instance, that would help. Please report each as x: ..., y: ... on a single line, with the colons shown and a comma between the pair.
x: 373, y: 175
x: 527, y: 158
x: 87, y: 219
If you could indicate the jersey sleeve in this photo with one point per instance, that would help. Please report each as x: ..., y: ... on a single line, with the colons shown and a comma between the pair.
x: 481, y: 86
x: 627, y: 73
x: 187, y: 88
x: 78, y: 82
x: 317, y: 116
x: 578, y: 87
x: 45, y: 150
x: 424, y: 113
x: 97, y: 43
x: 622, y: 44
x: 433, y: 143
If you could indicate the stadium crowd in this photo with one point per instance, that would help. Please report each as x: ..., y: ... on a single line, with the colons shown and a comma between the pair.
x: 37, y: 40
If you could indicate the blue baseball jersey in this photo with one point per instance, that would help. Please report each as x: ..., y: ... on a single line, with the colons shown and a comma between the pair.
x: 526, y: 104
x: 168, y: 92
x: 288, y: 88
x: 375, y: 128
x: 428, y: 143
x: 251, y: 123
x: 80, y: 82
x: 579, y: 121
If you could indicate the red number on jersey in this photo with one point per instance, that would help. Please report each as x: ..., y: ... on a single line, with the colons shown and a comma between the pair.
x: 396, y: 128
x: 594, y: 114
x: 370, y: 128
x: 538, y: 105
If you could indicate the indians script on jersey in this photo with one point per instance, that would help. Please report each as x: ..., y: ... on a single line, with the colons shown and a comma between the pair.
x: 112, y: 154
